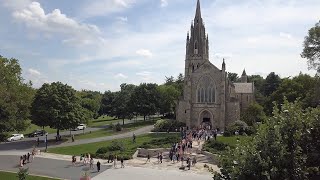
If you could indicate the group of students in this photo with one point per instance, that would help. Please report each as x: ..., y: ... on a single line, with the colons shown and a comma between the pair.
x: 86, y: 159
x: 24, y: 159
x: 113, y: 159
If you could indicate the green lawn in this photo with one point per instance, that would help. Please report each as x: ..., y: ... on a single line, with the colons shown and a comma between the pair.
x: 222, y: 142
x: 109, y: 132
x: 33, y: 127
x: 13, y: 176
x: 130, y: 147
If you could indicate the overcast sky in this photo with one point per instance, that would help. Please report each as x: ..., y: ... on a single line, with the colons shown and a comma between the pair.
x: 99, y: 44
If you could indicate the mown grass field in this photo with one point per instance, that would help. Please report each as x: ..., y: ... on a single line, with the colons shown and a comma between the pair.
x: 13, y: 176
x: 109, y: 132
x: 130, y: 147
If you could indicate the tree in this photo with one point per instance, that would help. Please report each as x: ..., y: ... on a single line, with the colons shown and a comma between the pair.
x: 254, y: 113
x: 145, y: 99
x: 121, y: 104
x: 90, y: 101
x: 311, y: 47
x: 56, y: 105
x: 15, y: 96
x: 233, y: 77
x: 106, y: 103
x: 168, y: 96
x: 283, y: 148
x: 271, y: 84
x: 169, y: 80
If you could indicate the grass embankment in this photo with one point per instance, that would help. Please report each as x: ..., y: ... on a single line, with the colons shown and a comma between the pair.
x: 151, y: 140
x: 109, y: 131
x: 13, y: 176
x: 222, y: 143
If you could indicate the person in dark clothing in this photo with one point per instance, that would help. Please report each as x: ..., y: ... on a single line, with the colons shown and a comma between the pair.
x: 161, y: 158
x: 98, y: 166
x: 28, y: 157
x: 122, y: 164
x: 38, y: 142
x: 148, y: 158
x: 24, y: 159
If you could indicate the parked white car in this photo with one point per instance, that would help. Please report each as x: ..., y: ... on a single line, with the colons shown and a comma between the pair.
x: 15, y: 137
x: 81, y: 127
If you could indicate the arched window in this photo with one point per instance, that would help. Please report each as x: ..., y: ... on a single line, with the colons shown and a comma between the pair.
x: 202, y: 95
x: 196, y: 47
x: 213, y: 93
x: 199, y: 95
x: 210, y: 95
x: 192, y: 68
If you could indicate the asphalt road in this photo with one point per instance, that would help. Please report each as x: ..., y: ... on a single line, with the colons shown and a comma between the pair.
x: 49, y: 167
x: 28, y: 144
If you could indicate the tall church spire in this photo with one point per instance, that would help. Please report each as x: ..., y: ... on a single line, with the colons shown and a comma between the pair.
x: 244, y: 77
x: 198, y: 44
x: 198, y: 10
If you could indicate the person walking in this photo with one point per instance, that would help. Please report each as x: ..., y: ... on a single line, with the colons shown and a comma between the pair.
x: 148, y: 158
x: 21, y: 161
x: 134, y: 138
x: 158, y: 157
x: 215, y: 134
x: 122, y: 164
x: 72, y: 137
x: 91, y: 163
x: 98, y: 166
x: 174, y: 158
x: 38, y: 142
x: 28, y: 157
x: 161, y: 158
x: 24, y: 159
x: 115, y: 162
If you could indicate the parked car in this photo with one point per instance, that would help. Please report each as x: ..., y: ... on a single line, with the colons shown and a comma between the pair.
x: 37, y: 133
x: 81, y: 127
x: 15, y: 137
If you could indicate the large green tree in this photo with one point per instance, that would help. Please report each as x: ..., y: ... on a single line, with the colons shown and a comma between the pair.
x: 284, y: 148
x: 90, y: 101
x: 168, y: 96
x: 254, y: 113
x: 106, y: 103
x: 121, y: 105
x: 56, y: 105
x: 233, y: 77
x: 311, y: 49
x: 15, y: 96
x: 145, y: 99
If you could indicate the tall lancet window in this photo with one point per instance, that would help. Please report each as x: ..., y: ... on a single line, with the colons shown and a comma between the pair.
x: 199, y: 95
x: 205, y: 92
x: 196, y: 47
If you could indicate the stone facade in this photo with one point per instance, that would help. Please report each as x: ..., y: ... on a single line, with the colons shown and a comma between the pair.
x: 208, y: 96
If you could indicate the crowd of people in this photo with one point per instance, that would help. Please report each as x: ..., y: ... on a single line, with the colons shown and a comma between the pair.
x: 28, y: 158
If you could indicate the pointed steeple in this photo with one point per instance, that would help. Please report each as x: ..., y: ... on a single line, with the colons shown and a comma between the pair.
x: 244, y: 77
x: 198, y: 11
x: 223, y: 65
x: 244, y: 72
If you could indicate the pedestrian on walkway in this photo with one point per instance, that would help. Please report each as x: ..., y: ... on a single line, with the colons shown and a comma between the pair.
x: 91, y: 163
x: 161, y: 158
x: 38, y: 142
x: 28, y: 157
x: 122, y: 164
x: 115, y: 162
x: 148, y: 158
x: 73, y: 161
x: 24, y: 159
x: 134, y: 138
x: 21, y: 161
x: 174, y: 158
x: 98, y: 166
x: 72, y: 137
x: 158, y: 157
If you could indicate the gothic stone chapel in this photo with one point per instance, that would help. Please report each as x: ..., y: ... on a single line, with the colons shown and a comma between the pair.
x: 208, y: 96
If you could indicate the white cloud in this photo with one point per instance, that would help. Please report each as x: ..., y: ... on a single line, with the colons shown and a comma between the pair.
x: 105, y: 7
x: 120, y: 76
x: 144, y: 52
x: 76, y: 33
x: 34, y: 72
x: 285, y: 35
x: 15, y: 4
x: 123, y: 19
x: 164, y: 3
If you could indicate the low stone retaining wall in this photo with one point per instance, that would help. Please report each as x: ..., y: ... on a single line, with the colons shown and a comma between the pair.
x: 141, y: 152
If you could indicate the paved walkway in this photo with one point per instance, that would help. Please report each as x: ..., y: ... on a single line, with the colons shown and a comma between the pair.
x: 28, y: 145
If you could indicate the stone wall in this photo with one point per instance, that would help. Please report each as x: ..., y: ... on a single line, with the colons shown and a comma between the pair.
x: 233, y: 112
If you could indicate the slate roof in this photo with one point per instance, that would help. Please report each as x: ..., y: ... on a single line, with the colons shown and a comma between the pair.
x: 243, y: 87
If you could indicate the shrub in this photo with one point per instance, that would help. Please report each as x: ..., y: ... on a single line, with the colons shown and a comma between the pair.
x: 250, y: 130
x: 163, y: 125
x: 239, y: 126
x: 23, y: 173
x: 114, y: 146
x: 160, y: 142
x: 213, y: 146
x: 102, y: 150
x: 118, y: 127
x: 111, y: 126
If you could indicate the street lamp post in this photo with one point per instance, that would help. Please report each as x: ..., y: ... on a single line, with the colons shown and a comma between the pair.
x: 46, y: 142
